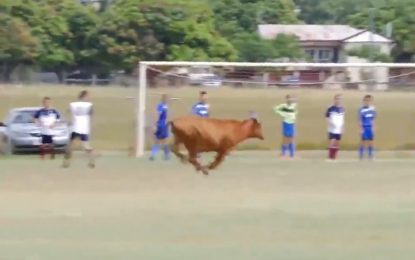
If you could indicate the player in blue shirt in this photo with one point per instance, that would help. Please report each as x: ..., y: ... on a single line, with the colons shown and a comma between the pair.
x: 46, y: 118
x: 367, y: 116
x: 201, y: 108
x: 162, y: 130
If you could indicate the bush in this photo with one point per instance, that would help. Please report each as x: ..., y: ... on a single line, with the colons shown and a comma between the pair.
x: 370, y: 52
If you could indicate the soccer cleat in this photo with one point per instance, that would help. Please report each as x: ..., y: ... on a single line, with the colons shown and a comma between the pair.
x: 66, y: 164
x: 91, y: 165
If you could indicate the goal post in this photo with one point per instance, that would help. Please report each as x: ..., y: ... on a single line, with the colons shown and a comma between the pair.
x: 374, y: 70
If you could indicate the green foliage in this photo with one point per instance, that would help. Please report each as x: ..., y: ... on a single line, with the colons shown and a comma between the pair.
x: 287, y: 46
x: 251, y: 48
x: 18, y: 45
x: 134, y: 30
x: 356, y: 13
x: 330, y: 11
x: 238, y: 16
x: 400, y: 14
x: 61, y: 35
x: 238, y: 20
x: 254, y: 49
x: 370, y: 53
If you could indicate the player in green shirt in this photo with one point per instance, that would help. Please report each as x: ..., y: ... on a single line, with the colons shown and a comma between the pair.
x: 288, y: 112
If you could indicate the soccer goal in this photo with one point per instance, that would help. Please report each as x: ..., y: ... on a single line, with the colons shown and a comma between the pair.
x: 236, y: 77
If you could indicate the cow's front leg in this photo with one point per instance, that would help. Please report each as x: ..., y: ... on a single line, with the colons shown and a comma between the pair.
x: 220, y: 156
x: 175, y: 148
x: 193, y: 160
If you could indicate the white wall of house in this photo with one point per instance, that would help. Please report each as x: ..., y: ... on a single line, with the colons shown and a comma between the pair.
x: 379, y: 75
x: 383, y: 47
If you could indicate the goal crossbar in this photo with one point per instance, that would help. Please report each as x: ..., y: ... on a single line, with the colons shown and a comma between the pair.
x: 142, y: 82
x: 277, y: 64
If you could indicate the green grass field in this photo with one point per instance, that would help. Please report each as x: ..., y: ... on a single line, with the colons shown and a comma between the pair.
x: 253, y: 207
x: 114, y: 121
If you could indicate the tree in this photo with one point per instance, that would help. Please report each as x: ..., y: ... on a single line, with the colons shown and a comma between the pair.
x: 50, y: 29
x: 251, y: 48
x: 287, y: 46
x: 400, y: 14
x: 370, y: 53
x: 134, y: 30
x: 17, y: 44
x: 83, y: 39
x: 237, y: 16
x: 330, y: 11
x: 64, y: 30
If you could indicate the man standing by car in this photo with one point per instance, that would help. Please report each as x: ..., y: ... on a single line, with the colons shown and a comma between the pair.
x: 46, y: 118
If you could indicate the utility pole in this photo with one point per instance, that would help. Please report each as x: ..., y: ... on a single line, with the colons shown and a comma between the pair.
x: 372, y: 32
x: 372, y: 82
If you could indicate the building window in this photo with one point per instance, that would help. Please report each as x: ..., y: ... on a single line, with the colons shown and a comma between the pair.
x: 325, y: 55
x: 310, y: 54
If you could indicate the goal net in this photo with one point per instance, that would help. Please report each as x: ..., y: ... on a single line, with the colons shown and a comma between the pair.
x: 234, y: 89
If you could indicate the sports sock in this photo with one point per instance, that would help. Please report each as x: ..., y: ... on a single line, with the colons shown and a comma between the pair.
x: 370, y: 151
x: 291, y: 149
x: 331, y: 153
x: 361, y: 152
x: 155, y: 150
x: 51, y: 150
x: 166, y: 151
x: 42, y: 151
x: 335, y: 151
x: 91, y: 157
x: 284, y: 149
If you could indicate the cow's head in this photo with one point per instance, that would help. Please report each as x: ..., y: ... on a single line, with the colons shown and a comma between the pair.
x: 256, y: 129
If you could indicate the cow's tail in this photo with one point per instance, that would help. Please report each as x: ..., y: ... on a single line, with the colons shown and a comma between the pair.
x: 175, y: 146
x: 172, y: 126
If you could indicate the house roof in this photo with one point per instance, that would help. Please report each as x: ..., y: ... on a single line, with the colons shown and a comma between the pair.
x: 366, y: 36
x: 311, y: 32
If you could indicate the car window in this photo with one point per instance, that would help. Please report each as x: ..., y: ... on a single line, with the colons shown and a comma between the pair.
x: 23, y: 117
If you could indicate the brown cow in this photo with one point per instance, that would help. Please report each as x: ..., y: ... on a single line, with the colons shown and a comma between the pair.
x: 211, y: 135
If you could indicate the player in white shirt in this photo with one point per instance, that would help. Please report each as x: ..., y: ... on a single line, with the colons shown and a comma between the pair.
x: 81, y: 113
x: 335, y: 120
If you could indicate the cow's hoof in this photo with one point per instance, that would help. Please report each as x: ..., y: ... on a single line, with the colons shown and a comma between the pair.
x: 205, y: 171
x: 211, y: 167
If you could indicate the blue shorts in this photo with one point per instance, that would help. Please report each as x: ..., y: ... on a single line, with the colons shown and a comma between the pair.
x: 162, y: 132
x: 368, y: 134
x: 337, y: 137
x: 82, y: 137
x: 288, y: 130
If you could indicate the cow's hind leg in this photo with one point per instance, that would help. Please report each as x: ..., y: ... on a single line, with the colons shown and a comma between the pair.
x: 193, y: 160
x: 175, y: 148
x: 220, y: 156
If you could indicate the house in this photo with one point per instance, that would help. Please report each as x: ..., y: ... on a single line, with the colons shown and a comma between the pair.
x: 327, y: 43
x: 330, y: 44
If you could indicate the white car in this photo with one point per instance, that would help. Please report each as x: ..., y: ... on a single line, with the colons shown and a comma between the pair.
x: 212, y: 81
x: 19, y: 133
